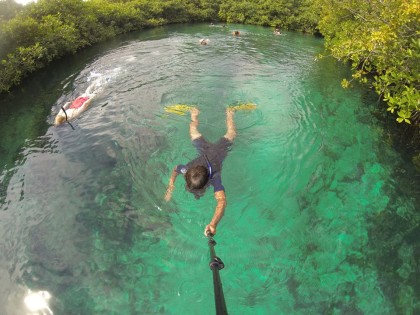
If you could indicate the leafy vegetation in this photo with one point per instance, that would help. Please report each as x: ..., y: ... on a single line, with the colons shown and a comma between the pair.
x: 299, y: 15
x: 8, y: 9
x: 379, y: 38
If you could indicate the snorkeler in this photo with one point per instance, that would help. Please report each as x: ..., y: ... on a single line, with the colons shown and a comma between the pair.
x: 71, y: 110
x: 205, y: 170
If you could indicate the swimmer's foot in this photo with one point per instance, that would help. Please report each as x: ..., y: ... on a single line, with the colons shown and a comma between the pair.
x: 230, y: 111
x: 194, y: 110
x: 194, y: 113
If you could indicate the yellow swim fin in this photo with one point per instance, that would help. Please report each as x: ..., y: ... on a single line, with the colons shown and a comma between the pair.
x: 178, y: 109
x: 243, y: 106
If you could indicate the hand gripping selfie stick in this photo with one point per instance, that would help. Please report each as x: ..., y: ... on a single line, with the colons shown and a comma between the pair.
x: 215, y: 265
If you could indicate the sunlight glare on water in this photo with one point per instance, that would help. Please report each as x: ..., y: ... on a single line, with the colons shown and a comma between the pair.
x: 83, y: 215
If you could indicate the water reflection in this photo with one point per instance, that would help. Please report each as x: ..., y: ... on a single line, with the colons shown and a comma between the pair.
x: 38, y: 302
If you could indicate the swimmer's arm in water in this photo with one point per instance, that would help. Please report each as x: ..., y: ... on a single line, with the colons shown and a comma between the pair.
x: 91, y: 89
x: 171, y: 185
x: 220, y: 197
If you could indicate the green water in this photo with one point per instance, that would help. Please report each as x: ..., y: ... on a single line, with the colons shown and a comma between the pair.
x: 322, y: 217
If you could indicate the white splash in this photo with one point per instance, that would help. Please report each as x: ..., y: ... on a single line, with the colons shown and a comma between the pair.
x: 37, y: 302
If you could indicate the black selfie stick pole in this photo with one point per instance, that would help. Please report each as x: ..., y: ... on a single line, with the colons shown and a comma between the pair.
x: 215, y: 265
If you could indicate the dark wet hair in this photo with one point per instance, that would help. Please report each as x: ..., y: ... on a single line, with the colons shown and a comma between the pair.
x: 196, y: 177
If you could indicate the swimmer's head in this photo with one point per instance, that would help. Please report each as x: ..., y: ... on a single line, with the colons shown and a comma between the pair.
x: 196, y: 177
x: 59, y: 119
x: 236, y: 33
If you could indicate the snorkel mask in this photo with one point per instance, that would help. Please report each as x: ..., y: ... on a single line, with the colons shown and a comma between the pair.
x: 67, y: 118
x: 209, y: 167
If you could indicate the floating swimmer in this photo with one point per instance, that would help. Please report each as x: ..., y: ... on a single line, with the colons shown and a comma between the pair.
x: 204, y: 41
x: 206, y: 169
x: 277, y: 31
x: 71, y: 110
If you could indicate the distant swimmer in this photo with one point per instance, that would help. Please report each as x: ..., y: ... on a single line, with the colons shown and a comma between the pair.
x: 71, y: 110
x: 236, y: 33
x: 277, y: 31
x: 204, y: 41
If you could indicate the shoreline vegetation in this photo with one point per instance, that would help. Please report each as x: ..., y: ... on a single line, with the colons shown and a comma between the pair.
x: 380, y: 39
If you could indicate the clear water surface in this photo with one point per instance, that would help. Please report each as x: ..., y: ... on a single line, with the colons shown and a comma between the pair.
x: 317, y: 222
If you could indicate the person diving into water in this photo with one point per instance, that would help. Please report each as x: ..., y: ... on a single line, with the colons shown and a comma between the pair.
x: 205, y: 170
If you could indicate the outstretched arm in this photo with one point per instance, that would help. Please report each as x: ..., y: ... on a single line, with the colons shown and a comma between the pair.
x: 230, y: 124
x: 171, y: 185
x: 194, y: 133
x: 220, y: 196
x: 92, y: 89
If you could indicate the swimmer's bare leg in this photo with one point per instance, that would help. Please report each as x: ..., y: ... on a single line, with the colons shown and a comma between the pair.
x: 230, y: 124
x: 194, y: 133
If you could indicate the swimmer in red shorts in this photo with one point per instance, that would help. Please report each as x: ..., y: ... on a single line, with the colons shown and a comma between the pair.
x: 75, y: 108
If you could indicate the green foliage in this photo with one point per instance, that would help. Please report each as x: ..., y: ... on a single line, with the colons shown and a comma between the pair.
x: 381, y: 40
x: 8, y: 9
x: 296, y: 15
x: 17, y: 32
x: 416, y: 161
x: 23, y: 60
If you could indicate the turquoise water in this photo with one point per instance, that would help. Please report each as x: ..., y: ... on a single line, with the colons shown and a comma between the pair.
x: 320, y: 218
